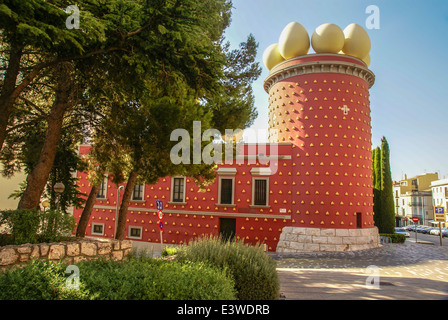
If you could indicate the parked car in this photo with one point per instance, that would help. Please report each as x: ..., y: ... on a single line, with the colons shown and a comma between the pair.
x: 436, y: 231
x: 411, y: 228
x: 428, y: 230
x: 422, y: 228
x: 445, y: 233
x: 402, y: 231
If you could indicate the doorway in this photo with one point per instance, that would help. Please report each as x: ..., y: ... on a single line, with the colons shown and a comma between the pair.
x: 227, y: 229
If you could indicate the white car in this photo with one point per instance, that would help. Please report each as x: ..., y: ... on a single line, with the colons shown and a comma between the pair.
x: 402, y: 231
x: 436, y: 232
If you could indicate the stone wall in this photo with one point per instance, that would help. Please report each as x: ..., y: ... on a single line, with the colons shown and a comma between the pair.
x: 70, y: 252
x: 295, y: 239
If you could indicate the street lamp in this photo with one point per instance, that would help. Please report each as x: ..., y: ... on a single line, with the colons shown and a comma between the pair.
x: 116, y: 211
x: 58, y: 188
x: 45, y: 203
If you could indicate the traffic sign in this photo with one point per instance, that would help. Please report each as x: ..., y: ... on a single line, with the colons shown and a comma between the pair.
x: 160, y: 214
x: 439, y: 214
x: 159, y: 205
x: 415, y: 219
x: 439, y: 210
x: 161, y: 225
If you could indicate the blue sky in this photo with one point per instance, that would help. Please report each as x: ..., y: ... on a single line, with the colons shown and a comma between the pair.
x: 409, y: 52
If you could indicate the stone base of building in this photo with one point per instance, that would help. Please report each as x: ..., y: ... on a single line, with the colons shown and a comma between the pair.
x: 294, y: 239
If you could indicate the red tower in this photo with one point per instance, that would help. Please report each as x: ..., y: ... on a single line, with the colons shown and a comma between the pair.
x: 320, y: 104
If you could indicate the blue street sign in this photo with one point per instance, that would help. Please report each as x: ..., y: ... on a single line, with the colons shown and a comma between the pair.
x: 161, y: 225
x: 159, y: 204
x: 439, y: 210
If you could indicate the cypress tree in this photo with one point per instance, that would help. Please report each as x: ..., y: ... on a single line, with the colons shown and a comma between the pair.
x: 383, y: 202
x: 387, y: 200
x: 377, y: 186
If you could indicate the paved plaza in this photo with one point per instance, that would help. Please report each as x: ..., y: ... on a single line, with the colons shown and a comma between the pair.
x: 410, y: 271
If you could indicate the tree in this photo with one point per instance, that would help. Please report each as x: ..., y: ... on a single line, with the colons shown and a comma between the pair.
x: 128, y: 42
x: 387, y: 200
x: 383, y: 191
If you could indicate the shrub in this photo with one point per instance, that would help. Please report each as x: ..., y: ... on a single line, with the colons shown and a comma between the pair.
x: 38, y: 280
x: 33, y: 226
x: 253, y: 271
x: 395, y: 237
x: 132, y: 279
x: 23, y: 225
x: 169, y: 251
x: 151, y: 279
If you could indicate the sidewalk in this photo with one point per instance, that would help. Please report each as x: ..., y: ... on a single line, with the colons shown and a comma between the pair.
x: 405, y: 272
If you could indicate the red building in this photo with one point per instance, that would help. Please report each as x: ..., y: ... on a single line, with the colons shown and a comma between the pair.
x: 317, y: 196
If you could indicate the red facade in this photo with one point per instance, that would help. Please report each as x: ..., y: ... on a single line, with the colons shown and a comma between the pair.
x: 322, y: 179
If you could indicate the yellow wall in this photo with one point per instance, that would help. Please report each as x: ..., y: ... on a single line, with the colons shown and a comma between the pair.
x: 7, y: 186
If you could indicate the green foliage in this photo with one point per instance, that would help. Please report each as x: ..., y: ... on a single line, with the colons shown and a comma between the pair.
x: 383, y: 202
x: 170, y: 251
x: 132, y: 279
x: 33, y: 226
x: 395, y: 237
x: 254, y: 272
x: 39, y: 280
x: 150, y: 279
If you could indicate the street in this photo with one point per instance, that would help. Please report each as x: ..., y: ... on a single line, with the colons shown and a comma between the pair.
x: 427, y: 237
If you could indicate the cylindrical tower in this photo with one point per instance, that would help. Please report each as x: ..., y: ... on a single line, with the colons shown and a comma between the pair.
x: 320, y: 104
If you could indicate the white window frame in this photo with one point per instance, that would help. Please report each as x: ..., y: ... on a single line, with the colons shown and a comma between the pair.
x: 97, y: 233
x: 143, y: 193
x: 233, y: 191
x: 105, y: 181
x: 253, y: 192
x: 133, y: 237
x: 172, y: 190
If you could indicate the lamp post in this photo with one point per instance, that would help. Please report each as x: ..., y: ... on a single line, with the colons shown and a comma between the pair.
x: 45, y: 203
x: 58, y: 188
x: 118, y: 207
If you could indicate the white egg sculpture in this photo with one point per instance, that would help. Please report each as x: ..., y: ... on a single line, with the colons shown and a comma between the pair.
x: 328, y: 38
x: 272, y: 56
x: 357, y: 41
x: 294, y: 41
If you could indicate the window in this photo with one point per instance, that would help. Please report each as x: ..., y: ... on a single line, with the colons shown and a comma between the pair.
x: 178, y: 187
x: 102, y: 192
x: 135, y: 232
x: 137, y: 195
x: 226, y: 191
x: 98, y: 229
x: 260, y: 191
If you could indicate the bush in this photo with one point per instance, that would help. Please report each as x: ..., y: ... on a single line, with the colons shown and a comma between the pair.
x: 132, y: 279
x: 33, y: 226
x: 395, y: 237
x: 253, y: 271
x: 38, y: 280
x: 169, y: 251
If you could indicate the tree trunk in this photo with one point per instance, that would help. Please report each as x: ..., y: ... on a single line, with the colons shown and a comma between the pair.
x: 9, y: 84
x: 121, y: 225
x: 87, y: 211
x: 38, y: 178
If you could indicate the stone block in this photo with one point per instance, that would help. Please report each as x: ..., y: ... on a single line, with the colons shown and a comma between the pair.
x: 334, y: 240
x: 26, y: 248
x: 8, y: 256
x: 35, y: 253
x: 73, y: 249
x: 88, y: 248
x: 57, y: 252
x: 311, y: 247
x: 342, y: 233
x: 117, y: 255
x: 125, y: 244
x: 327, y: 247
x: 104, y: 248
x: 299, y: 231
x: 328, y: 232
x: 312, y: 232
x: 319, y: 240
x: 349, y: 240
x: 44, y: 249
